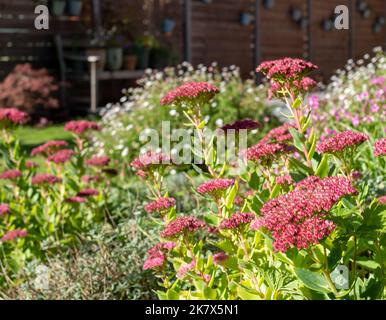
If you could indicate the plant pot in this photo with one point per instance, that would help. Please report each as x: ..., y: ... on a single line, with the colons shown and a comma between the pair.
x: 57, y: 7
x: 143, y: 55
x: 130, y: 62
x: 74, y: 7
x: 114, y: 58
x: 101, y: 54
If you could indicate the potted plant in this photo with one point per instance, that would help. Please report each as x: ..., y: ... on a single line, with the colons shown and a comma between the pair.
x: 142, y: 48
x: 129, y: 59
x: 115, y: 53
x: 57, y: 7
x: 74, y: 7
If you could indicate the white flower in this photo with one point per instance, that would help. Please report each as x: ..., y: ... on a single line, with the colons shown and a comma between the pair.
x: 219, y: 122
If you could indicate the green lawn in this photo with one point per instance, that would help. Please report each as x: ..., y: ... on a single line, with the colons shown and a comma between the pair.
x: 31, y: 137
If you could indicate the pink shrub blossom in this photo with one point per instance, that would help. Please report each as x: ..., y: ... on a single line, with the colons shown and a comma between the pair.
x: 160, y: 204
x: 12, y: 115
x: 14, y: 234
x: 380, y: 147
x: 61, y: 156
x: 81, y: 126
x: 4, y: 209
x: 341, y: 141
x: 190, y: 91
x: 49, y: 147
x: 45, y: 178
x: 237, y: 220
x: 10, y: 175
x: 181, y: 226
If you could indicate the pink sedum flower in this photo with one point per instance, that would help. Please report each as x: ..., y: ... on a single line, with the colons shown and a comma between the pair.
x: 185, y: 268
x: 45, y: 178
x: 298, y: 218
x: 4, y: 209
x: 76, y: 199
x: 154, y: 262
x: 286, y: 68
x: 380, y: 147
x: 13, y: 116
x: 160, y: 204
x: 237, y: 220
x: 245, y: 124
x: 266, y: 152
x: 220, y: 257
x: 81, y: 126
x: 61, y: 156
x: 88, y: 192
x: 98, y: 161
x: 382, y: 200
x: 31, y: 164
x: 10, y: 175
x: 341, y: 141
x: 14, y: 234
x: 189, y: 92
x: 215, y: 187
x: 49, y: 147
x: 181, y: 226
x: 150, y: 160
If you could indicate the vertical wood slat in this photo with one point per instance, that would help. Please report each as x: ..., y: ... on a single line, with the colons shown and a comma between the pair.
x: 188, y: 30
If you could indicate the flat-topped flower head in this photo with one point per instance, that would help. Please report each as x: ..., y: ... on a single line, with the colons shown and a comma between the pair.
x: 31, y: 164
x: 45, y: 178
x: 160, y: 205
x: 75, y: 199
x: 4, y: 209
x: 278, y: 135
x: 190, y: 92
x: 181, y: 226
x: 341, y: 141
x: 237, y: 220
x: 9, y: 116
x: 245, y: 124
x: 185, y: 268
x: 98, y: 161
x: 88, y: 192
x: 90, y: 179
x: 14, y: 234
x: 380, y: 147
x: 49, y: 147
x: 382, y: 200
x: 215, y: 187
x: 61, y: 156
x: 13, y: 174
x: 305, y: 84
x: 286, y: 68
x: 266, y: 153
x: 150, y: 160
x: 157, y: 255
x: 81, y: 126
x: 299, y: 217
x: 220, y: 257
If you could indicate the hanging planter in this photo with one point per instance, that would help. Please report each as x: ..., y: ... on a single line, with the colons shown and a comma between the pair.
x: 246, y: 18
x: 168, y: 25
x: 296, y: 14
x: 57, y: 7
x: 75, y: 7
x: 327, y: 25
x: 114, y: 58
x: 269, y: 4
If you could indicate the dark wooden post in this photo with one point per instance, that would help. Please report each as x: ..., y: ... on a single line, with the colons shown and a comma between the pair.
x: 188, y: 30
x: 96, y: 16
x: 309, y: 30
x: 257, y: 44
